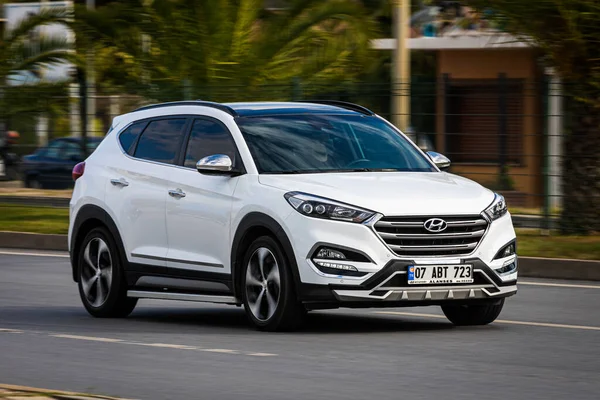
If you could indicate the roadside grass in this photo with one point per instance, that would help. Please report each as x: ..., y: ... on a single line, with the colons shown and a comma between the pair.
x: 17, y: 218
x: 35, y: 192
x: 531, y: 243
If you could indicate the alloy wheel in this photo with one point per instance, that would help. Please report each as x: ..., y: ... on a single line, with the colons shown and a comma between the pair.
x: 263, y: 284
x: 96, y: 272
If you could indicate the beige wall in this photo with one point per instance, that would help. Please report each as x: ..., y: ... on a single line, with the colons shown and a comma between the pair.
x: 487, y: 64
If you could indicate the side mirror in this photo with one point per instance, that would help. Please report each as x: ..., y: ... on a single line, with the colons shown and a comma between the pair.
x: 216, y: 164
x: 440, y: 160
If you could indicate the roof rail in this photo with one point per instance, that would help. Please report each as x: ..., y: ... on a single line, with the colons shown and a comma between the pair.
x: 212, y: 104
x: 342, y: 104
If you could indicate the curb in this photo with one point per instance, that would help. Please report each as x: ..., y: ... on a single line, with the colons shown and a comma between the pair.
x: 24, y: 392
x: 559, y: 268
x: 531, y: 267
x: 38, y: 241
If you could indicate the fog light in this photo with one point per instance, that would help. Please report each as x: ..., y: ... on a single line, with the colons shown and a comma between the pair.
x: 507, y: 251
x: 330, y: 254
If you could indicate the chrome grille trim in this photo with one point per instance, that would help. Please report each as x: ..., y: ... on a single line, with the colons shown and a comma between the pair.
x: 407, y: 236
x: 475, y: 234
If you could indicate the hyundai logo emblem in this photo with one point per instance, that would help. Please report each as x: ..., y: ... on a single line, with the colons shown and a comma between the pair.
x: 435, y: 225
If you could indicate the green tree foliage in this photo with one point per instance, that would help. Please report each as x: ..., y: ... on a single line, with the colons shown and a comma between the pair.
x: 23, y: 57
x: 568, y: 35
x: 163, y: 46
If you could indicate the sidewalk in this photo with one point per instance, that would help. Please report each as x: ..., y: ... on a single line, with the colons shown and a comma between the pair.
x: 12, y: 392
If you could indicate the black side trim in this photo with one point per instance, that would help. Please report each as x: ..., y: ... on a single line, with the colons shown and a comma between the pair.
x: 211, y: 104
x: 177, y: 260
x: 88, y: 217
x: 241, y: 238
x: 135, y: 271
x: 160, y: 283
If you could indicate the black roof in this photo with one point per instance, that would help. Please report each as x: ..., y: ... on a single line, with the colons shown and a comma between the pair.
x: 255, y: 109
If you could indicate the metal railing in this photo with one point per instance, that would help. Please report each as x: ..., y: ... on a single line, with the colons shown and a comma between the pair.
x: 507, y: 134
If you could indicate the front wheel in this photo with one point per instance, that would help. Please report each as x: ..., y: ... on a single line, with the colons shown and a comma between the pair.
x: 268, y: 287
x: 473, y: 314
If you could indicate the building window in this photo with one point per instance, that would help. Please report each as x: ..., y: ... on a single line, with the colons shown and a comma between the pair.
x: 480, y: 127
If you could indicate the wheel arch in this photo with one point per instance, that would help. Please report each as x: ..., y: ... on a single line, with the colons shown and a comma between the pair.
x: 89, y: 217
x: 253, y: 225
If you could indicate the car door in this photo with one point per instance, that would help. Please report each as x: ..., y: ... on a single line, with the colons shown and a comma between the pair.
x: 198, y: 210
x: 137, y: 187
x: 50, y: 164
x: 70, y: 155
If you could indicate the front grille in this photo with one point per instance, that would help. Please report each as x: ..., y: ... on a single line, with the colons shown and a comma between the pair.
x: 407, y: 236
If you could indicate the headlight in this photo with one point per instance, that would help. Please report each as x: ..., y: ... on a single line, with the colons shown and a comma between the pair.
x: 498, y: 207
x: 318, y: 207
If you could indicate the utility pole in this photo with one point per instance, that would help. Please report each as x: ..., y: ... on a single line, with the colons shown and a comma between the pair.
x: 91, y: 82
x: 401, y: 66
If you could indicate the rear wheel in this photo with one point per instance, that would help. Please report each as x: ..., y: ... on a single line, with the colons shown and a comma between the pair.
x: 33, y: 183
x: 268, y: 287
x: 102, y: 285
x: 473, y: 314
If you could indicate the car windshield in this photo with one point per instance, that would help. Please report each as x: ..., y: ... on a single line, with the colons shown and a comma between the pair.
x: 288, y: 144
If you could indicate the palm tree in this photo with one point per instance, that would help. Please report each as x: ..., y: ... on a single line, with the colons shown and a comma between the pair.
x: 212, y: 45
x: 24, y: 57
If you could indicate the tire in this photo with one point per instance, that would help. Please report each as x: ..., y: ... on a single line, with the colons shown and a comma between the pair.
x: 473, y: 314
x: 103, y: 290
x: 268, y: 293
x: 33, y: 183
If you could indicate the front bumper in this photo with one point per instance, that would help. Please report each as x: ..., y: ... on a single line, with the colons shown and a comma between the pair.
x: 384, y: 282
x: 391, y: 285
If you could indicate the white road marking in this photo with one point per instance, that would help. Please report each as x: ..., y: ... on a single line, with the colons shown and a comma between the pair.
x: 160, y: 345
x: 27, y: 253
x: 90, y: 338
x: 567, y: 285
x: 226, y: 351
x: 165, y: 345
x: 498, y: 321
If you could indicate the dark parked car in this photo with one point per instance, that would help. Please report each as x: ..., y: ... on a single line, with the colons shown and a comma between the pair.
x: 50, y: 167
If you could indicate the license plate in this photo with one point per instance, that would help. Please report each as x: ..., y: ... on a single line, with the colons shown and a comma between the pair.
x: 439, y: 274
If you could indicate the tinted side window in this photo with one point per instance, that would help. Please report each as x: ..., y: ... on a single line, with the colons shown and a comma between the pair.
x: 161, y: 140
x: 72, y: 152
x: 54, y: 149
x: 129, y: 135
x: 208, y: 138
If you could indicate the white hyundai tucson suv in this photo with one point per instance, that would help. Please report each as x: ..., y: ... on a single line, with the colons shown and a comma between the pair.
x: 283, y: 208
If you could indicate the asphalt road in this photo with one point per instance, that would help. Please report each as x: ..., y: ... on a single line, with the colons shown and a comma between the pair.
x: 546, y: 346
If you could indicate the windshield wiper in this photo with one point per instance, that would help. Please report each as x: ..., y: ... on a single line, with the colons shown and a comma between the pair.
x: 365, y: 170
x: 296, y: 171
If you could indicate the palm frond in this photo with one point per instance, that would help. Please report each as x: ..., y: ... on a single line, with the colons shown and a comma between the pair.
x: 47, y: 16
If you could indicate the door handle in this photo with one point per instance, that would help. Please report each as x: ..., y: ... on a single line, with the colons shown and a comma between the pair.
x: 178, y: 193
x: 119, y: 182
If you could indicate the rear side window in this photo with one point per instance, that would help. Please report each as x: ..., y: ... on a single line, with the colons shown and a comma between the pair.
x: 207, y: 138
x: 129, y: 136
x: 161, y: 140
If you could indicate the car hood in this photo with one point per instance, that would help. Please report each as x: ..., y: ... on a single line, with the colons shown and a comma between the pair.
x: 392, y: 193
